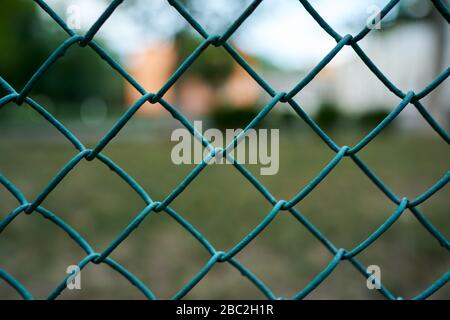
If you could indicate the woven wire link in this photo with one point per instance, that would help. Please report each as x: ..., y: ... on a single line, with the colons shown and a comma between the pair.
x: 408, y: 99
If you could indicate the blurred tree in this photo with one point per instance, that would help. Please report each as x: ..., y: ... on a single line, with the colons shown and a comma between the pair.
x: 27, y: 39
x: 227, y: 117
x: 371, y: 118
x: 20, y: 37
x: 213, y: 66
x: 328, y: 115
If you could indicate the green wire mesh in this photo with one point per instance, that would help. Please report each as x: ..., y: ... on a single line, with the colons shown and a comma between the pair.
x: 153, y: 207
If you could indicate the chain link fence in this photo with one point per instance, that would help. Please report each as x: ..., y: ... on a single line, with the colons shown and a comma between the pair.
x: 409, y: 99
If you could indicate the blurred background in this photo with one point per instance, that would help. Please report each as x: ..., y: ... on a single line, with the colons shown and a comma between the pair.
x: 282, y: 42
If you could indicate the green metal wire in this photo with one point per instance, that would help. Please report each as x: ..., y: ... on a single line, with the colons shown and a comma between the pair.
x: 152, y: 206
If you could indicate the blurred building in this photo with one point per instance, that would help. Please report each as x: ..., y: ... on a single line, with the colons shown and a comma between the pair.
x: 405, y: 54
x: 153, y: 66
x: 408, y: 55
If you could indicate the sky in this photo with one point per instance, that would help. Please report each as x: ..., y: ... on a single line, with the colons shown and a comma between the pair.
x: 279, y: 31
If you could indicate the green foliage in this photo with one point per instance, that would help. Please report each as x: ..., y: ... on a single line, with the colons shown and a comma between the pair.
x: 328, y: 115
x: 372, y: 118
x: 331, y: 117
x: 227, y: 117
x: 80, y: 74
x: 21, y: 53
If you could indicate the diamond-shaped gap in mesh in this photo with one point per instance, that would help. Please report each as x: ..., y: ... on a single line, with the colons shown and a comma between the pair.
x: 86, y: 93
x: 346, y: 206
x: 221, y: 95
x: 32, y: 149
x: 162, y: 254
x: 285, y: 38
x: 339, y: 101
x: 290, y: 269
x: 32, y: 46
x: 407, y: 247
x: 42, y: 252
x: 222, y: 205
x: 299, y: 156
x: 91, y: 199
x: 409, y: 42
x: 409, y: 161
x: 144, y: 150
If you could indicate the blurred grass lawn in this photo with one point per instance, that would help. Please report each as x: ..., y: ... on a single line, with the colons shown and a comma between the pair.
x: 224, y: 207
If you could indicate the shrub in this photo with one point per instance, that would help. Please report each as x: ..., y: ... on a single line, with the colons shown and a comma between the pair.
x: 227, y: 117
x: 328, y: 115
x: 372, y: 118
